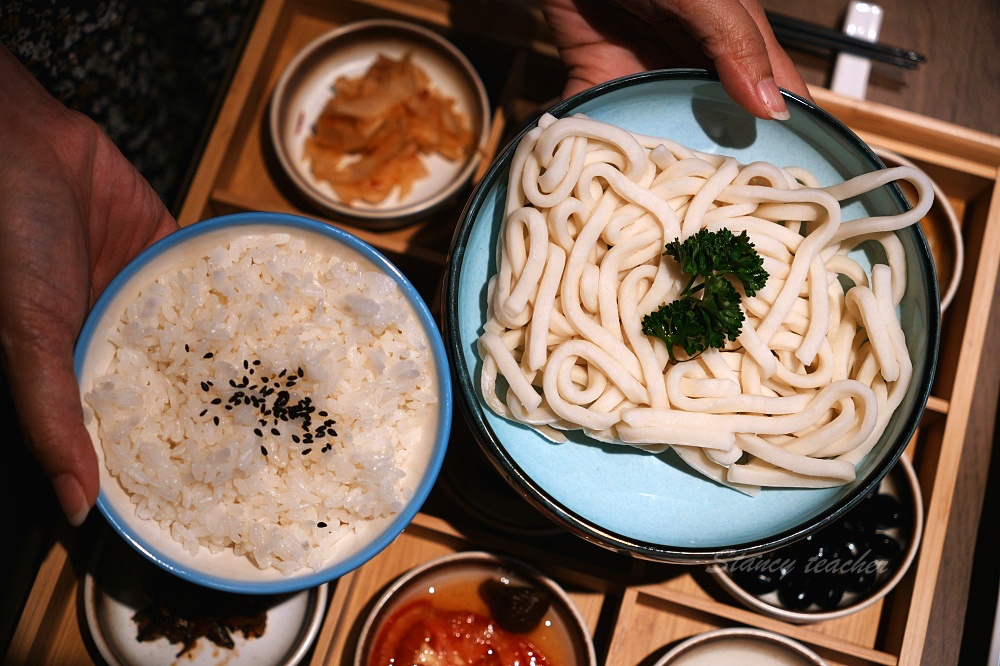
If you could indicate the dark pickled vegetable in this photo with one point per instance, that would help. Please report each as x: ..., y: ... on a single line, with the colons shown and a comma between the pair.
x: 516, y: 608
x: 794, y: 593
x: 884, y: 547
x: 851, y: 557
x: 888, y: 512
x: 825, y: 591
x: 184, y: 613
x: 755, y: 582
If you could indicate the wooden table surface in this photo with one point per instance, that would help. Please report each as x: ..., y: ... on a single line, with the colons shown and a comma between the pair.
x: 959, y: 83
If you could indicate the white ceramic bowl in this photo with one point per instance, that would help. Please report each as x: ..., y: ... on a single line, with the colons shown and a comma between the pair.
x: 742, y: 645
x: 654, y: 506
x: 224, y: 570
x: 307, y: 83
x: 813, y: 564
x: 450, y: 586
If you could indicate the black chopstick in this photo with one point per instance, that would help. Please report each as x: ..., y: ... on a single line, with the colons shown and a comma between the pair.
x: 796, y: 31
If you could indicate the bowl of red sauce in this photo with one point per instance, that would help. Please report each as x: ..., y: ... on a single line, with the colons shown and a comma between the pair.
x: 474, y: 608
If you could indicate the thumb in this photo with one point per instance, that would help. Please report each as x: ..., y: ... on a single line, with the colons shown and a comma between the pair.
x: 747, y: 57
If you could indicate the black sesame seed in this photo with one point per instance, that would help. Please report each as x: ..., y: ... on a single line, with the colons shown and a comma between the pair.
x: 217, y: 401
x: 321, y: 524
x: 257, y: 431
x: 306, y: 452
x: 187, y: 348
x: 296, y: 439
x: 232, y: 382
x: 203, y: 412
x: 256, y: 362
x: 229, y: 408
x: 245, y: 364
x: 204, y: 386
x: 282, y: 373
x: 323, y: 413
x: 263, y: 450
x: 208, y: 355
x: 263, y: 380
x: 300, y: 373
x: 215, y: 419
x: 251, y: 371
x: 275, y: 432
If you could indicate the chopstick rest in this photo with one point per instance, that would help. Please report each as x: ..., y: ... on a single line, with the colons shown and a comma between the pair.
x: 851, y: 71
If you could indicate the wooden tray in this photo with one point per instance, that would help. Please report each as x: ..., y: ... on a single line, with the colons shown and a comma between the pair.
x: 635, y: 609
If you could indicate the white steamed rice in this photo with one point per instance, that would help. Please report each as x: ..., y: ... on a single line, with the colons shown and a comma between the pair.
x: 270, y: 301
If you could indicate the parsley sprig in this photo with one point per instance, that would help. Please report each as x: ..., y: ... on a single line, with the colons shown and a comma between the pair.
x: 712, y: 259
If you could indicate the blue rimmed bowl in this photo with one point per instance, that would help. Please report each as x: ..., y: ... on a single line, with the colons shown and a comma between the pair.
x: 224, y: 570
x: 654, y: 506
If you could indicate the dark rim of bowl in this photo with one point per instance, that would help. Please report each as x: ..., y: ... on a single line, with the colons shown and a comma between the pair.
x: 473, y: 410
x: 411, y: 507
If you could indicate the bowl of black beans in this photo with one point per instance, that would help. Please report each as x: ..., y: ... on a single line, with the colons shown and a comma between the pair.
x: 842, y: 568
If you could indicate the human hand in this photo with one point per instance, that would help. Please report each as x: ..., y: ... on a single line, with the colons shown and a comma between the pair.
x: 73, y: 212
x: 599, y: 40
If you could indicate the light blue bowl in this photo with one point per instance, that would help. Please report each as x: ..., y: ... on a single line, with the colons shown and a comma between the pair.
x: 654, y: 506
x: 225, y: 571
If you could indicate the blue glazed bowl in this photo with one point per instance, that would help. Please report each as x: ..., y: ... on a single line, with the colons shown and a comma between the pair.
x: 224, y: 570
x: 654, y: 506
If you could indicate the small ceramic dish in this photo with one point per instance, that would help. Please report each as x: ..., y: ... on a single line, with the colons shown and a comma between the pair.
x: 471, y: 604
x: 843, y: 568
x: 740, y: 645
x: 121, y: 588
x: 211, y: 455
x: 306, y: 85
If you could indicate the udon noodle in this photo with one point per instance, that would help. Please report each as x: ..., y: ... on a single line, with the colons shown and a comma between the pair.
x: 797, y: 400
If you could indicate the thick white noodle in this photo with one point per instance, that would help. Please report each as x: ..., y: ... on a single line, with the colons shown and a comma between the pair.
x: 821, y: 364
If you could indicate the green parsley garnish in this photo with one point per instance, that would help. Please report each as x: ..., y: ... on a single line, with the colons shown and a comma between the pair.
x: 712, y: 259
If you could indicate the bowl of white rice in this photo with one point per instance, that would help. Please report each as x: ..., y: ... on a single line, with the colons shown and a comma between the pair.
x: 269, y: 399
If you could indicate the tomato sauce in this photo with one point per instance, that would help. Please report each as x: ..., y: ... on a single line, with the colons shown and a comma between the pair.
x: 447, y: 622
x: 419, y: 633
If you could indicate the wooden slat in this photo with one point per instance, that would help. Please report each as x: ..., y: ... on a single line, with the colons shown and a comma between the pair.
x: 937, y: 513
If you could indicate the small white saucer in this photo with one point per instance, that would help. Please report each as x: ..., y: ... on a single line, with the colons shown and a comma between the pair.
x: 116, y: 587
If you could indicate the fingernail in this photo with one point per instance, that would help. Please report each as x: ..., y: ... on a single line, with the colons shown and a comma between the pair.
x: 775, y: 103
x: 72, y: 499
